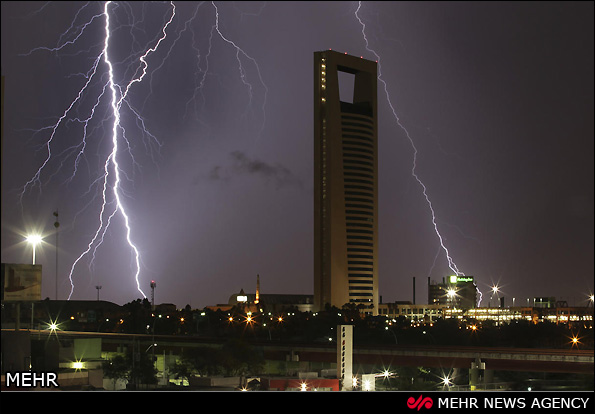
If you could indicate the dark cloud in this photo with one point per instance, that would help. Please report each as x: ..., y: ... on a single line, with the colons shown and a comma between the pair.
x: 242, y: 165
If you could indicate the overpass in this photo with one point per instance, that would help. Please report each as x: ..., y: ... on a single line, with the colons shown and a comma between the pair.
x: 571, y: 360
x: 506, y: 359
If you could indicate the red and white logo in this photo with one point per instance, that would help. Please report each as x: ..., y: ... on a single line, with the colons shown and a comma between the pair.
x: 420, y: 403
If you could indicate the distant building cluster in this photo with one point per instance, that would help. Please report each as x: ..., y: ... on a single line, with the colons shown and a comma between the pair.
x: 425, y: 314
x: 453, y: 298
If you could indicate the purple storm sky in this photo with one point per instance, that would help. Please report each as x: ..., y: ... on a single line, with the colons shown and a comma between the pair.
x: 496, y: 96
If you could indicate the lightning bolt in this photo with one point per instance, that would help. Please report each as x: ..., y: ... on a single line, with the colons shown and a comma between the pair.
x: 451, y: 263
x: 111, y: 164
x: 115, y: 96
x: 240, y: 51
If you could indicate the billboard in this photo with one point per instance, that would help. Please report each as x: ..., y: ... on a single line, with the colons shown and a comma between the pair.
x: 21, y: 282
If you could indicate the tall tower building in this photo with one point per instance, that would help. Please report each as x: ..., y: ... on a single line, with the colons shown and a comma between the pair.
x: 345, y: 182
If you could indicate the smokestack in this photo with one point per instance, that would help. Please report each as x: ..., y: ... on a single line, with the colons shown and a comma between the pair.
x: 257, y: 299
x: 414, y: 290
x: 429, y: 282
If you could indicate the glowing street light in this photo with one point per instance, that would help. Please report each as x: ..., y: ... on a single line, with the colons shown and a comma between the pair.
x: 53, y: 326
x: 575, y: 341
x: 446, y: 381
x: 34, y: 240
x: 495, y: 291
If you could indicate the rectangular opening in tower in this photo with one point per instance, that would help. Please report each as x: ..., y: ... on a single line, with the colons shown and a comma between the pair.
x: 346, y: 86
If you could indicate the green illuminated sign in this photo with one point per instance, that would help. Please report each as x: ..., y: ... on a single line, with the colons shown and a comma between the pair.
x: 459, y: 279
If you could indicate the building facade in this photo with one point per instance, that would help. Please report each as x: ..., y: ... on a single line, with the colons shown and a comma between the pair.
x: 455, y: 292
x: 345, y: 183
x: 413, y: 312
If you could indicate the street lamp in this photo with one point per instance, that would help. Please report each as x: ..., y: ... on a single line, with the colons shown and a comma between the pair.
x: 495, y: 291
x: 446, y: 382
x: 575, y: 341
x: 389, y: 330
x: 34, y: 240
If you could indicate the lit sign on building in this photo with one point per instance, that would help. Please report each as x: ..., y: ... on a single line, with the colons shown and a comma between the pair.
x: 461, y: 279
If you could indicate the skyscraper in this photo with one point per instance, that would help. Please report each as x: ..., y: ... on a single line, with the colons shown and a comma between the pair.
x: 345, y: 181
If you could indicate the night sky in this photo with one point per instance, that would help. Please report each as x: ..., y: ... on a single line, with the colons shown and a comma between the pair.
x: 497, y: 98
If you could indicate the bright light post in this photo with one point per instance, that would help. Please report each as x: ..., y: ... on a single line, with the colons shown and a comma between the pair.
x: 34, y: 240
x: 389, y: 330
x: 446, y: 382
x: 495, y: 291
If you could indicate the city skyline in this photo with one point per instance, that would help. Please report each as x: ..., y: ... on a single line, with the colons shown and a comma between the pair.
x: 496, y: 100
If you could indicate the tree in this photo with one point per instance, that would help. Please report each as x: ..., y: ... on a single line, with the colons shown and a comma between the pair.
x: 142, y: 369
x: 204, y: 360
x: 116, y: 368
x: 183, y: 369
x: 238, y: 358
x: 138, y: 316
